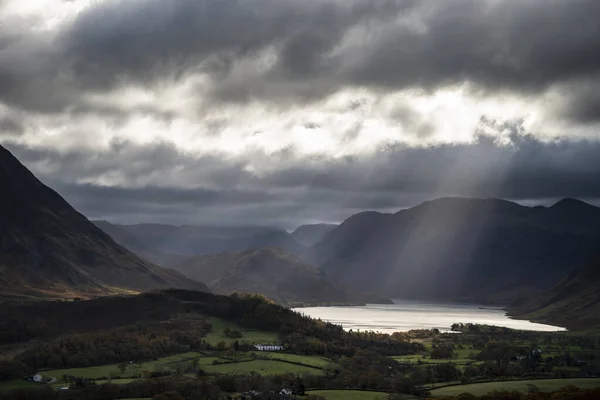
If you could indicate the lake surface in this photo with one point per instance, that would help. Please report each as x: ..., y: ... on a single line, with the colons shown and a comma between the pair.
x: 405, y: 315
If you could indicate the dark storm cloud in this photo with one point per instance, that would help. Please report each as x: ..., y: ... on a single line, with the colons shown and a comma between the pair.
x: 500, y: 44
x: 319, y: 46
x: 162, y: 184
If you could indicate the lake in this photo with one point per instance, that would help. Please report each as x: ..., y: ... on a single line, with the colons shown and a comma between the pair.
x: 405, y: 315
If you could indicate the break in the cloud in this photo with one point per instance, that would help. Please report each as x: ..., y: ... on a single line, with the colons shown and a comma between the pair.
x: 279, y: 110
x: 158, y: 182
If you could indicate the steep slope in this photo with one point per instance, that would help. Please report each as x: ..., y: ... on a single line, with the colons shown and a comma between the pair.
x: 309, y: 235
x: 49, y: 249
x: 281, y: 277
x: 456, y: 248
x: 198, y: 240
x: 573, y: 303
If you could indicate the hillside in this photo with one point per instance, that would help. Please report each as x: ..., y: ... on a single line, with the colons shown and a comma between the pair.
x: 197, y: 240
x: 573, y: 303
x: 49, y: 249
x: 281, y: 277
x: 458, y: 248
x: 309, y: 235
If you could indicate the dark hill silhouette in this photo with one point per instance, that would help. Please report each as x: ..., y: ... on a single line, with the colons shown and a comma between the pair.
x: 49, y: 249
x: 573, y: 303
x: 460, y: 248
x: 281, y: 277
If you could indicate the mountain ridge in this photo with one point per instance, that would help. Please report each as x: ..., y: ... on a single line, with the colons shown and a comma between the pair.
x: 282, y: 277
x: 47, y: 248
x: 192, y: 240
x: 310, y: 234
x: 473, y: 249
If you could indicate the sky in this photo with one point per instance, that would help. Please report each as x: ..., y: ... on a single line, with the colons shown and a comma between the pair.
x: 284, y: 112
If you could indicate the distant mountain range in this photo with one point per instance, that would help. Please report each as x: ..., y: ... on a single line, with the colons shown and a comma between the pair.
x: 486, y: 250
x: 47, y: 249
x: 309, y: 235
x: 281, y: 277
x: 573, y: 303
x: 156, y: 240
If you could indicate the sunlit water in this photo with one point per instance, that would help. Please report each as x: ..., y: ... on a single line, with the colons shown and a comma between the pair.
x: 405, y: 315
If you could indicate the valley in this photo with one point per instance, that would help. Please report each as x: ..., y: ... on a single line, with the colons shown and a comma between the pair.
x: 211, y: 350
x: 108, y: 311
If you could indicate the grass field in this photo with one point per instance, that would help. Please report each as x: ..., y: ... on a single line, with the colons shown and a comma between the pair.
x: 115, y: 381
x: 415, y: 360
x: 89, y: 372
x: 262, y: 367
x: 313, y: 361
x: 251, y: 336
x: 277, y: 363
x: 349, y: 394
x: 7, y: 386
x: 107, y: 371
x: 545, y: 385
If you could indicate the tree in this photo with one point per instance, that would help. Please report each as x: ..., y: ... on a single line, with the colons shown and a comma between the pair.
x: 221, y: 345
x: 122, y: 367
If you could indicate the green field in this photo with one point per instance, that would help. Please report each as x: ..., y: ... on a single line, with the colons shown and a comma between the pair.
x: 415, y: 360
x: 277, y: 363
x: 313, y: 361
x: 262, y: 367
x: 7, y: 386
x: 132, y: 370
x: 545, y: 385
x: 89, y: 372
x: 115, y: 381
x: 250, y: 336
x: 349, y: 394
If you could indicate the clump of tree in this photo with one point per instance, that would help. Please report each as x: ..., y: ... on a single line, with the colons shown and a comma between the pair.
x: 442, y: 351
x: 13, y: 370
x: 232, y: 333
x: 137, y: 342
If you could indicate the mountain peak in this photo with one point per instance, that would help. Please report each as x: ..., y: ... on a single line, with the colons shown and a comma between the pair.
x: 571, y: 203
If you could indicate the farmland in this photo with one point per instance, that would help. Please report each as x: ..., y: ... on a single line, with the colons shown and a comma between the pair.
x: 349, y: 394
x: 524, y: 386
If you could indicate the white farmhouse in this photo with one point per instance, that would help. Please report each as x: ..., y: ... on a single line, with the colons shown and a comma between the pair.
x: 268, y: 347
x: 37, y: 378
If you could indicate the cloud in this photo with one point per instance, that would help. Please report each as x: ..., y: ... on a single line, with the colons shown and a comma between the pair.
x: 265, y: 49
x: 288, y: 111
x: 157, y: 182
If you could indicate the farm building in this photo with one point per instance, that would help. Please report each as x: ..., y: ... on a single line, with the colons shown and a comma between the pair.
x: 268, y: 347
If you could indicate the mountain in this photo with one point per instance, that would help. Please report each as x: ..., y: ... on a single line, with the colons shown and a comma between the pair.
x: 460, y: 248
x: 131, y: 243
x: 573, y: 303
x: 197, y: 240
x: 49, y: 249
x: 282, y: 277
x: 309, y: 235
